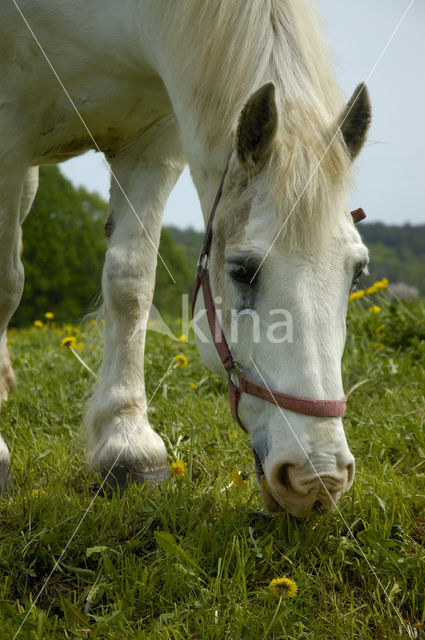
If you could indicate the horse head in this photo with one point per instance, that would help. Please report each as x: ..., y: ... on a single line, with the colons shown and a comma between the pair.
x: 283, y: 259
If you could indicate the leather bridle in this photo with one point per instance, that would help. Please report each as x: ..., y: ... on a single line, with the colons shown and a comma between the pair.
x: 305, y: 406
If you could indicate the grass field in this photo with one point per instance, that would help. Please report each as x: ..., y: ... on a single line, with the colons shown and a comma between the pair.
x: 193, y: 559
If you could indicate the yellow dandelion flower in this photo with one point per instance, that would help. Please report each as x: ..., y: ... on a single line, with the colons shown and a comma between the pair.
x: 379, y: 285
x: 80, y: 346
x: 378, y: 345
x: 181, y: 360
x: 356, y: 295
x: 239, y: 479
x: 38, y: 324
x: 378, y: 329
x: 68, y: 328
x: 192, y: 386
x: 36, y: 493
x: 69, y: 341
x: 183, y: 337
x: 283, y: 587
x: 374, y: 309
x: 178, y: 468
x: 372, y: 289
x: 49, y: 315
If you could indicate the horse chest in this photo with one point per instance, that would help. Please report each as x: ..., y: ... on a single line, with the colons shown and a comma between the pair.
x: 105, y: 116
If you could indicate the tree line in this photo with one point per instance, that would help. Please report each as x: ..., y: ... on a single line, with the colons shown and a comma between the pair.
x: 64, y: 249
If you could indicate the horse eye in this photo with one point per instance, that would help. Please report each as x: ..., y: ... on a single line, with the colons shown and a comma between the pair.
x: 358, y: 270
x: 244, y: 272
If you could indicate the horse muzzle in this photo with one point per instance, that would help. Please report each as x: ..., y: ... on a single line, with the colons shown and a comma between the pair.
x: 303, y: 488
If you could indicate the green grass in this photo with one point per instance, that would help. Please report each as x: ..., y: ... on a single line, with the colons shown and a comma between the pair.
x: 193, y: 558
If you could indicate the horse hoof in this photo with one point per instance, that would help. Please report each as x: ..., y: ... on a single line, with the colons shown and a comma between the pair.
x: 119, y: 479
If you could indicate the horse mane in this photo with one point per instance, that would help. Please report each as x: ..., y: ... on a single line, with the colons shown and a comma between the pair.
x: 235, y: 46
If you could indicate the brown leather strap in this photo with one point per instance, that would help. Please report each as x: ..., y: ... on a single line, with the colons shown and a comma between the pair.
x: 306, y: 406
x: 234, y: 395
x: 208, y: 231
x: 358, y: 215
x: 218, y: 337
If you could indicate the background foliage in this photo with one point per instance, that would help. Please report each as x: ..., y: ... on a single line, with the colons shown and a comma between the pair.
x: 64, y: 248
x: 396, y: 253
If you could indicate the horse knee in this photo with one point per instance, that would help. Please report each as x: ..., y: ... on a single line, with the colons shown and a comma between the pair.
x: 127, y: 283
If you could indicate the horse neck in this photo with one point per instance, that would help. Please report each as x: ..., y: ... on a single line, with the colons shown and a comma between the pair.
x: 212, y: 56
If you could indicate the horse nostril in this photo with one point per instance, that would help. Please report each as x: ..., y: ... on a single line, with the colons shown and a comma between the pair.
x: 282, y: 476
x: 317, y: 506
x: 350, y: 474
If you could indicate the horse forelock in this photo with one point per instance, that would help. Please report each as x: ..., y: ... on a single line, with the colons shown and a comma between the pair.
x: 308, y: 180
x: 298, y: 199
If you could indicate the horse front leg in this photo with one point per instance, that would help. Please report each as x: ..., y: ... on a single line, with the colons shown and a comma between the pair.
x: 122, y: 445
x: 11, y: 264
x: 18, y: 187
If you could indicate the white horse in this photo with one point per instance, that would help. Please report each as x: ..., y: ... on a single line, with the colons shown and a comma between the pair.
x: 156, y: 84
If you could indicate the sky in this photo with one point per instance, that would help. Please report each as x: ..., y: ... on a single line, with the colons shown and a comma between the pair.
x: 368, y: 43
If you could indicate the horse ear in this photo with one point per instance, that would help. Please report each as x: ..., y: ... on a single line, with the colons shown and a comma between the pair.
x: 355, y: 120
x: 257, y: 128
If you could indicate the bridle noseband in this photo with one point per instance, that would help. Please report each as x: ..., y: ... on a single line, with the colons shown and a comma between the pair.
x: 305, y: 406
